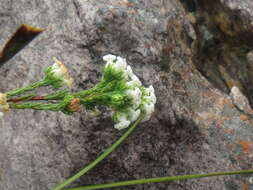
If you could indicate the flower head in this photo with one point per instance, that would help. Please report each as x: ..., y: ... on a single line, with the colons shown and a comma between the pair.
x: 122, y: 120
x: 59, y: 73
x: 142, y: 100
x: 3, y: 98
x: 135, y: 94
x: 4, y: 106
x: 117, y: 63
x: 75, y: 105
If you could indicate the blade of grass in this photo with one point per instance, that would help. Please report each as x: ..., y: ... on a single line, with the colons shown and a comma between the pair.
x: 157, y: 180
x: 100, y: 158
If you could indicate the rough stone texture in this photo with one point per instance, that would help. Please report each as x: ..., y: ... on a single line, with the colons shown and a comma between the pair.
x: 196, y: 128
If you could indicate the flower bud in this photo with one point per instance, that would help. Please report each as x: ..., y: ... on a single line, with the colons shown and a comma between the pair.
x: 75, y: 105
x: 60, y: 71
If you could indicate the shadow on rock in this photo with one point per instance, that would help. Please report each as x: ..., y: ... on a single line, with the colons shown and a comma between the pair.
x: 153, y: 150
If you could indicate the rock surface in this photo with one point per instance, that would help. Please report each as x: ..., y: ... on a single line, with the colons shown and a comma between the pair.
x: 193, y: 54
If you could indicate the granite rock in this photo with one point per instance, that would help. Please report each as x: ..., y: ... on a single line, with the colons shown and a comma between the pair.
x: 192, y: 53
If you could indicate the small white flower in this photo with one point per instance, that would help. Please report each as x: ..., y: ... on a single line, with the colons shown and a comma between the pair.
x: 129, y: 72
x: 120, y: 66
x: 150, y: 95
x: 109, y: 58
x: 133, y: 114
x: 120, y: 116
x: 142, y: 99
x: 60, y: 71
x: 124, y: 119
x: 1, y: 115
x: 147, y: 110
x: 136, y: 80
x: 148, y: 102
x: 117, y: 63
x: 122, y: 125
x: 135, y: 95
x: 121, y: 62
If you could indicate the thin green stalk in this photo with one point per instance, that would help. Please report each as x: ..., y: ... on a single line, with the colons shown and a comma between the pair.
x: 100, y: 158
x: 56, y: 95
x: 158, y: 180
x: 22, y: 98
x: 38, y: 106
x: 59, y: 106
x: 30, y: 87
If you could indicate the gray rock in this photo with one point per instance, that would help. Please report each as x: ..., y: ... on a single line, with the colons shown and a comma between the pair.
x: 196, y: 127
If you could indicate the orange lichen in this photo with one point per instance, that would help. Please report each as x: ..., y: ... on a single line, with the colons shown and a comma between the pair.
x: 244, y: 186
x: 244, y: 117
x: 247, y: 146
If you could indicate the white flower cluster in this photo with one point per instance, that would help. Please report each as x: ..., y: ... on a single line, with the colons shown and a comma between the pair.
x: 143, y: 99
x: 4, y: 106
x: 60, y: 71
x: 148, y: 102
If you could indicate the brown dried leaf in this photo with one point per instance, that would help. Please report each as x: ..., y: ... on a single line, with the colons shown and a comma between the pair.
x: 22, y: 37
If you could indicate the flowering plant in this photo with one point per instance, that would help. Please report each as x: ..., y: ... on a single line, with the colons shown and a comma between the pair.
x: 119, y: 89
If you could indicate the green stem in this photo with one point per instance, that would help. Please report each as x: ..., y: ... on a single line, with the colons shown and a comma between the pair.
x: 100, y: 158
x: 85, y: 93
x: 157, y: 180
x: 59, y: 95
x: 22, y: 98
x: 30, y: 87
x: 59, y: 106
x: 37, y: 106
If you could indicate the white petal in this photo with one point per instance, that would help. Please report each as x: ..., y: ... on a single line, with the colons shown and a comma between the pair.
x: 68, y: 81
x: 134, y: 114
x: 151, y: 89
x: 122, y: 125
x: 130, y: 92
x: 109, y: 58
x: 136, y: 80
x: 121, y: 116
x: 135, y: 95
x: 130, y: 84
x: 1, y: 114
x: 121, y: 62
x: 57, y: 73
x: 151, y: 108
x: 129, y: 71
x: 147, y: 109
x: 153, y: 98
x: 55, y: 66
